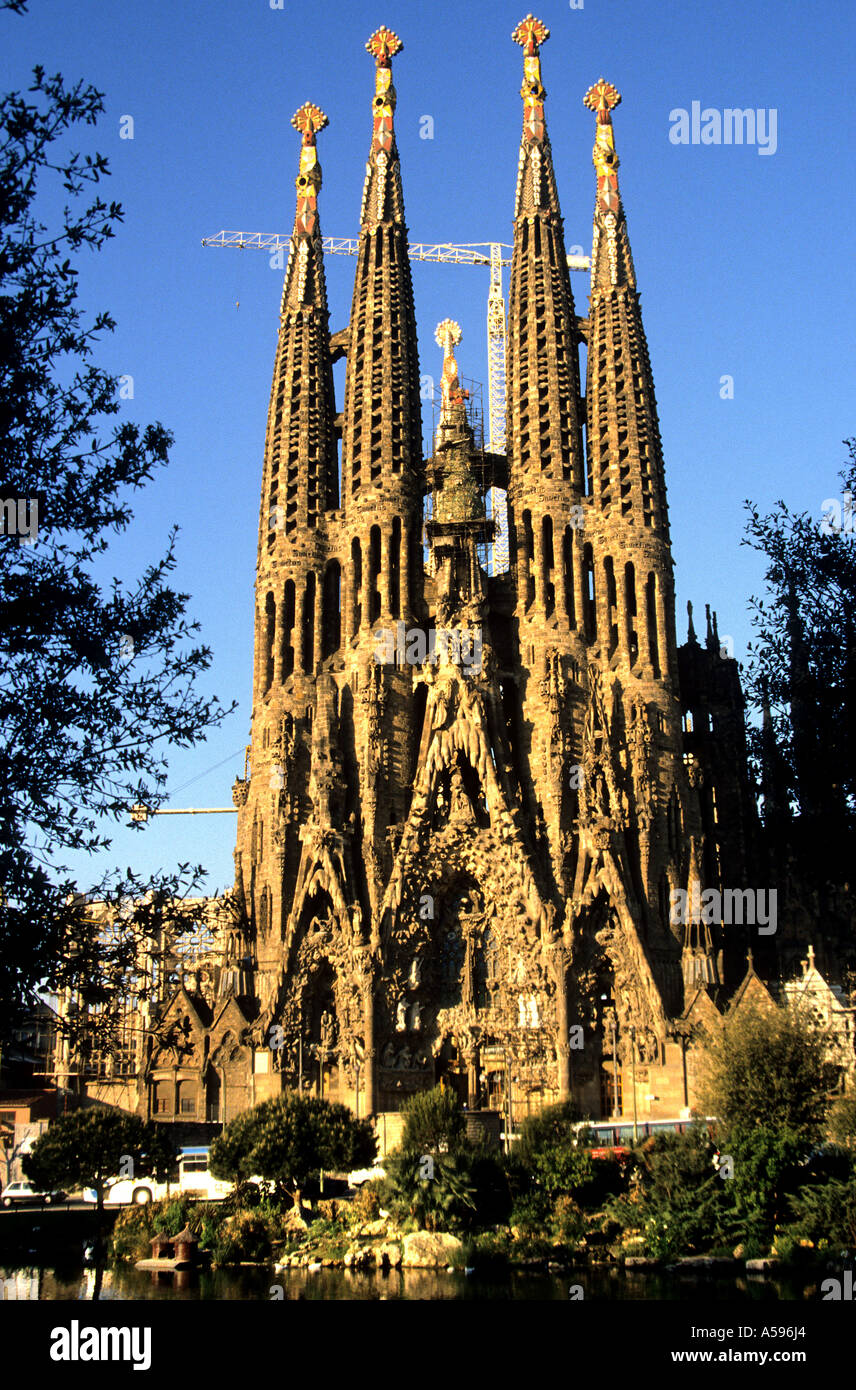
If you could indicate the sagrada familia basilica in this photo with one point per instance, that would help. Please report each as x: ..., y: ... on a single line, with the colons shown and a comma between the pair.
x: 473, y: 798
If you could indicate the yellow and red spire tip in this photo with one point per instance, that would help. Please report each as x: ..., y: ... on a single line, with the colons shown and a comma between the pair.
x: 530, y: 34
x: 383, y: 45
x: 308, y: 119
x: 602, y: 98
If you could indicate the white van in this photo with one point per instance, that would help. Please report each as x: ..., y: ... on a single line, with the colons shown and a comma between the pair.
x: 194, y: 1180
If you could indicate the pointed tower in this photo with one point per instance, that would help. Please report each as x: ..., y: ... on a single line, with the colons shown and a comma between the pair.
x: 546, y: 487
x: 296, y: 616
x: 625, y: 456
x: 382, y: 425
x: 699, y: 965
x: 627, y: 552
x: 545, y: 456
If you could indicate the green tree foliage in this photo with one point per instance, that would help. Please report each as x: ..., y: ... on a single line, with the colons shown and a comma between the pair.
x: 87, y: 1147
x: 435, y: 1191
x: 826, y: 1214
x: 433, y: 1122
x: 557, y: 1161
x: 768, y: 1067
x: 803, y: 664
x: 767, y: 1078
x: 841, y: 1121
x: 437, y: 1177
x: 97, y: 680
x: 289, y: 1139
x: 768, y: 1165
x: 680, y: 1203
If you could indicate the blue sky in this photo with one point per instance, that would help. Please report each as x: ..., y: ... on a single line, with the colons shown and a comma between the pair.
x: 743, y: 260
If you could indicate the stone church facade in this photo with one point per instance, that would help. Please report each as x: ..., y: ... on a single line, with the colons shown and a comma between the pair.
x: 471, y: 798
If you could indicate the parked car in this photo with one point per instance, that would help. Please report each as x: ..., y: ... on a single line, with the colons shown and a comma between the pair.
x: 22, y: 1193
x: 358, y: 1176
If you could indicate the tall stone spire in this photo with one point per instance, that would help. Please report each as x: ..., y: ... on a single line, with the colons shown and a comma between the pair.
x: 543, y: 427
x: 382, y: 433
x: 624, y: 448
x: 300, y: 472
x: 295, y: 612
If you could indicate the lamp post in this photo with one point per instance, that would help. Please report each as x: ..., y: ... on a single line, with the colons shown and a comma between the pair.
x: 633, y: 1074
x: 613, y: 1027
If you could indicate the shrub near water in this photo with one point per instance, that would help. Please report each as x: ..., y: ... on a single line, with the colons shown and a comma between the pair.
x: 136, y: 1226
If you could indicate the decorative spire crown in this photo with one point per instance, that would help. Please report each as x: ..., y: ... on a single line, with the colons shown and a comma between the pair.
x: 447, y: 336
x: 603, y: 98
x: 612, y: 263
x: 308, y: 119
x: 530, y: 34
x: 384, y: 45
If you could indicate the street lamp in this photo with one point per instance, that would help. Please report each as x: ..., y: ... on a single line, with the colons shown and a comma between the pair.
x: 633, y: 1074
x: 611, y: 1022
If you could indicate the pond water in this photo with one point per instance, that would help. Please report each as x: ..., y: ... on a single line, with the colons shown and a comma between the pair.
x: 254, y: 1284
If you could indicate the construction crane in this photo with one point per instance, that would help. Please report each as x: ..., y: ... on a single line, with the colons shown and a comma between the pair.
x: 140, y: 813
x: 495, y: 255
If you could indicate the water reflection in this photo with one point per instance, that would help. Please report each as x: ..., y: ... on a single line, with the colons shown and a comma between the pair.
x: 94, y: 1283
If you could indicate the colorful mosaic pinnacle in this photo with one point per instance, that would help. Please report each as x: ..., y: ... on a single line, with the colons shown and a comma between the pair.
x: 308, y: 119
x: 603, y: 98
x: 530, y: 33
x: 384, y: 45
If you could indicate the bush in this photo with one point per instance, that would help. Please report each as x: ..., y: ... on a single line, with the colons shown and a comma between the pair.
x: 138, y: 1224
x: 132, y: 1234
x: 437, y: 1192
x: 567, y: 1221
x: 679, y: 1202
x: 825, y: 1215
x: 556, y: 1159
x: 548, y: 1129
x: 769, y: 1162
x: 433, y: 1122
x: 530, y: 1213
x: 841, y: 1122
x: 367, y: 1204
x: 245, y: 1236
